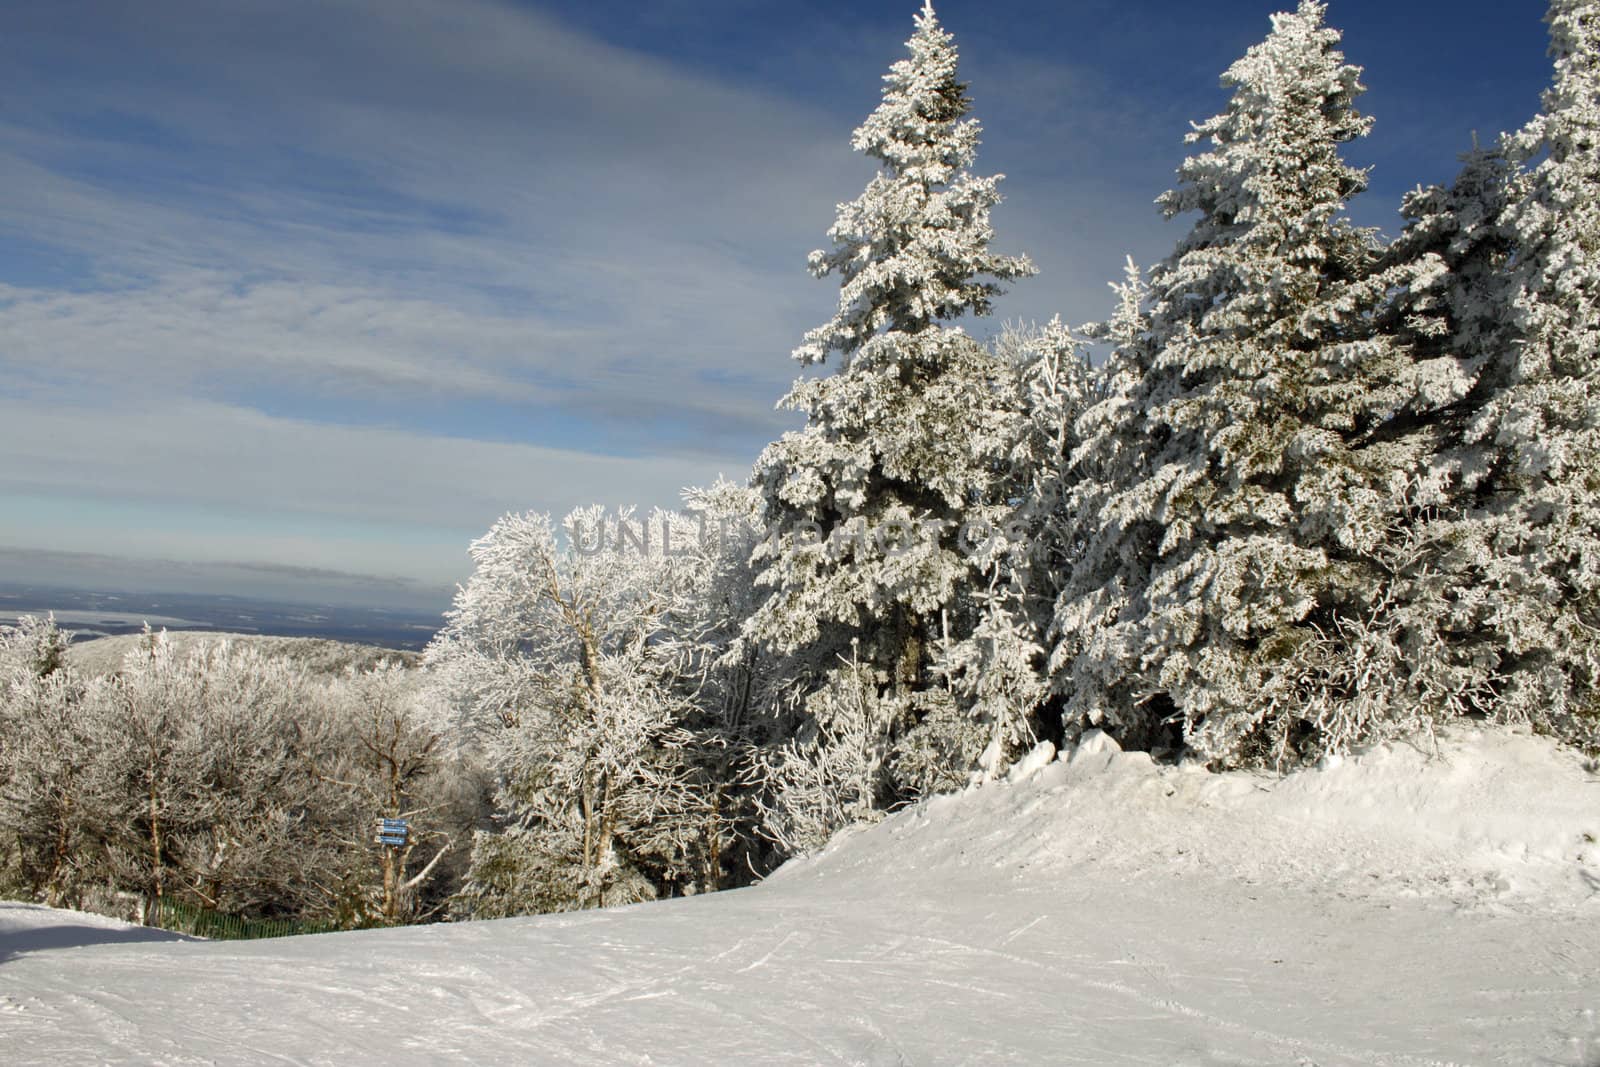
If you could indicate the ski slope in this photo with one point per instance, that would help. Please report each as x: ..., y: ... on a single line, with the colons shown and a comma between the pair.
x: 1398, y: 907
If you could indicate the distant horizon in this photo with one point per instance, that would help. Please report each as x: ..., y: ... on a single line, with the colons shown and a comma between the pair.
x: 103, y: 612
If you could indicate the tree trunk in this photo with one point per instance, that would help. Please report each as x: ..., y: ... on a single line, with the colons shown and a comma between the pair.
x: 157, y: 887
x: 55, y: 894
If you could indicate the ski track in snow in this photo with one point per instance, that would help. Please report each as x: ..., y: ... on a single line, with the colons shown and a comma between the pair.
x: 1102, y: 912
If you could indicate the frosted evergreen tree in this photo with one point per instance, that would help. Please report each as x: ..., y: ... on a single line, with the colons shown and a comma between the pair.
x: 1254, y: 487
x: 1536, y: 536
x: 1454, y: 309
x: 1429, y: 646
x: 1102, y: 553
x: 903, y: 444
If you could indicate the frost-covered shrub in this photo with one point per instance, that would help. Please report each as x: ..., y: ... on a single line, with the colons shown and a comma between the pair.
x: 54, y: 799
x: 223, y: 778
x: 33, y: 646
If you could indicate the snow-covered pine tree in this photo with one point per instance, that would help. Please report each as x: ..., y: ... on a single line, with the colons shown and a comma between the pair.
x: 902, y: 445
x: 1101, y: 554
x: 1255, y: 486
x: 1431, y: 640
x: 1453, y: 311
x: 1536, y: 532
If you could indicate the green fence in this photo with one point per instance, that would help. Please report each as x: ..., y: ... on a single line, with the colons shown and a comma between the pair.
x: 203, y: 922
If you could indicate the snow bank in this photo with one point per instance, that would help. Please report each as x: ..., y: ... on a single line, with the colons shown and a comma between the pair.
x: 1481, y: 818
x: 1394, y: 908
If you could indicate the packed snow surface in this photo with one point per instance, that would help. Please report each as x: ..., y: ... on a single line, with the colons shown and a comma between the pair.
x: 1402, y: 906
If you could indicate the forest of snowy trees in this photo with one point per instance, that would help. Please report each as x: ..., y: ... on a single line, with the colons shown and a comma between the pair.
x: 1315, y: 488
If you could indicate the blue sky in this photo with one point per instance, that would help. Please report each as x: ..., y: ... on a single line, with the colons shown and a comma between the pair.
x: 311, y: 292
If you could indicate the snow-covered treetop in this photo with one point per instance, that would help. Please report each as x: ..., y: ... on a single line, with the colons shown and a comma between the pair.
x: 918, y: 130
x: 913, y: 247
x: 1572, y: 104
x: 1274, y: 155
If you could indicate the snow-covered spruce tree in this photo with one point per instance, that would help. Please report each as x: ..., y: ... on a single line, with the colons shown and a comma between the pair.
x: 903, y: 444
x: 1255, y: 487
x: 1535, y: 534
x: 1430, y: 639
x: 1088, y: 444
x: 570, y: 665
x: 1453, y: 311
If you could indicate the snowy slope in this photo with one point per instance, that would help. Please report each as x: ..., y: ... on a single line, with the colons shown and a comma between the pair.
x: 1392, y: 909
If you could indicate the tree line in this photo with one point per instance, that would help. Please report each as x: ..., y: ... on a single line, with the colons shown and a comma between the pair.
x: 225, y: 780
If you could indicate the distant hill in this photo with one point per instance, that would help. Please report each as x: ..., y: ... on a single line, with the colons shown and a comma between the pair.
x: 103, y: 655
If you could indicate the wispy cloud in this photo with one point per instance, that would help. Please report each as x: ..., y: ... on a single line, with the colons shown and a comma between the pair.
x: 42, y: 569
x: 376, y: 267
x: 460, y: 197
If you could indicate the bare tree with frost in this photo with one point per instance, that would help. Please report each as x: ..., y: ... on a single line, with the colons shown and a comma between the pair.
x: 378, y: 746
x: 570, y: 663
